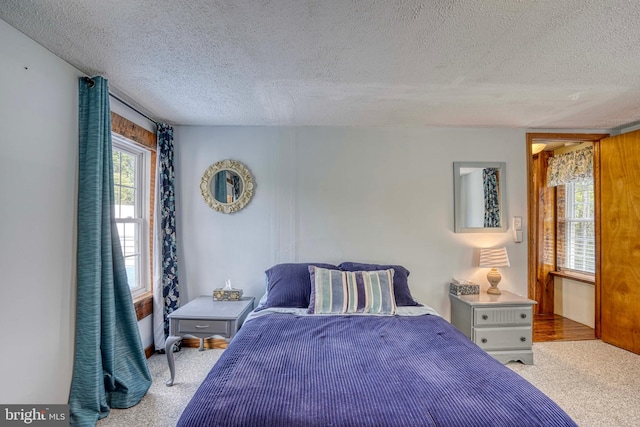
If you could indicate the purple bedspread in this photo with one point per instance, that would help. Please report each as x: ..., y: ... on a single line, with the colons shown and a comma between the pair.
x: 286, y: 370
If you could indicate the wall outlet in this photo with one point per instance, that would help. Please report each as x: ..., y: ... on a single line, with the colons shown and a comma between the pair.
x: 517, y: 236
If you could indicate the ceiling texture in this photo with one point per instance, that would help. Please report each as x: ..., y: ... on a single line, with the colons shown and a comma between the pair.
x: 536, y: 64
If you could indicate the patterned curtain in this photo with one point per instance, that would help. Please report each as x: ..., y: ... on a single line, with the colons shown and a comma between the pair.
x: 110, y: 368
x: 237, y: 186
x: 572, y: 166
x: 491, y: 197
x: 166, y: 294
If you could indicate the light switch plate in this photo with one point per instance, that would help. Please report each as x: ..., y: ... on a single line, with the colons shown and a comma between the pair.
x: 517, y: 223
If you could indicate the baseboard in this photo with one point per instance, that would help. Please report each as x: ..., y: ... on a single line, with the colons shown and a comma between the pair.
x: 149, y: 351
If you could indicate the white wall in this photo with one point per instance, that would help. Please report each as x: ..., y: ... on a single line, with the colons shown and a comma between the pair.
x: 38, y: 172
x: 575, y: 300
x: 472, y: 198
x: 337, y: 194
x: 38, y: 167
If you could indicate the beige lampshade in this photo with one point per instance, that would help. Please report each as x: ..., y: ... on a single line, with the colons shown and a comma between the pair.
x: 494, y: 257
x: 537, y: 147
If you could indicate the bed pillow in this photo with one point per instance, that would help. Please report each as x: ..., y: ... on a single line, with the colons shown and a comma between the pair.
x: 400, y: 280
x: 348, y: 292
x: 288, y: 285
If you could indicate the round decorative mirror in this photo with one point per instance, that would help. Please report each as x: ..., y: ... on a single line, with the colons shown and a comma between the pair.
x: 227, y: 186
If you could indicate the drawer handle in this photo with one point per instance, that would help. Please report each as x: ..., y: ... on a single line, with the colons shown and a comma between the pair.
x: 485, y: 317
x: 523, y: 315
x: 202, y: 326
x: 484, y: 340
x: 523, y: 339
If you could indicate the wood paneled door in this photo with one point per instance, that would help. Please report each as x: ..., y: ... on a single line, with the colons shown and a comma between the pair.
x: 619, y: 243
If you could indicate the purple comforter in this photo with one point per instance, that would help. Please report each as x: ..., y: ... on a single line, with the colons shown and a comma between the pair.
x: 287, y: 370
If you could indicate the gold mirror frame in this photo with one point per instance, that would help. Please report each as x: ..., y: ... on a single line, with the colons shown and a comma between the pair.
x: 247, y: 186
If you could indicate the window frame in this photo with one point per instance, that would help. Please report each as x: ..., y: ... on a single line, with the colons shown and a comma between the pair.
x: 140, y: 135
x: 142, y: 205
x: 566, y: 245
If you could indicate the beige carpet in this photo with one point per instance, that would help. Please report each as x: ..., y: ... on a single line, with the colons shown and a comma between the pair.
x: 162, y: 405
x: 595, y: 383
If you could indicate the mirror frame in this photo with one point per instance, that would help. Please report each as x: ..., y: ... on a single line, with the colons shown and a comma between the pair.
x: 247, y: 186
x: 457, y: 202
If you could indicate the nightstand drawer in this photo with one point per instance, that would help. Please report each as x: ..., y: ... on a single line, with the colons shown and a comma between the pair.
x: 502, y: 316
x: 211, y: 327
x: 503, y: 338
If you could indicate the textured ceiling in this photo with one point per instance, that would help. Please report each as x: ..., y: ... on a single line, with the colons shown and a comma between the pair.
x: 505, y: 63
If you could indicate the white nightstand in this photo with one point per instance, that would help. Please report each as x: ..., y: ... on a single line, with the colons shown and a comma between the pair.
x: 502, y: 325
x: 204, y: 317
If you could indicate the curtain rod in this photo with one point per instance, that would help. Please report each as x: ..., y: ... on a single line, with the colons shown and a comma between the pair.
x: 91, y: 83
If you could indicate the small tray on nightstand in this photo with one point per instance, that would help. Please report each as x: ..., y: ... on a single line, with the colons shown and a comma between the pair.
x: 221, y: 294
x: 464, y: 288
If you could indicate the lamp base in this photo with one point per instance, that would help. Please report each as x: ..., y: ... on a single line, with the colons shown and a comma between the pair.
x: 494, y: 277
x: 493, y: 291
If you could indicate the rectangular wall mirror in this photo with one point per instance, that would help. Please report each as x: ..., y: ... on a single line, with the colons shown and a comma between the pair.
x: 479, y: 197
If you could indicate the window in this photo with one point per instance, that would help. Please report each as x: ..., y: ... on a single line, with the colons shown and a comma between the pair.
x: 576, y: 227
x: 131, y: 168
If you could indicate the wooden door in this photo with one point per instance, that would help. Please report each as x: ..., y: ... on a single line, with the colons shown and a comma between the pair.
x: 619, y: 244
x: 546, y: 235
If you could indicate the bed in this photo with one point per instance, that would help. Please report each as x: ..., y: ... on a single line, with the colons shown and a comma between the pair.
x: 363, y: 363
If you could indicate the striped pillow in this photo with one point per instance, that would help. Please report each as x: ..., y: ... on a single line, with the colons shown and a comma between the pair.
x: 348, y: 292
x: 371, y: 292
x: 328, y: 291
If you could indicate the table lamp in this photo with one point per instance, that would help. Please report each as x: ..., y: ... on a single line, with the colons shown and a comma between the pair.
x: 494, y: 258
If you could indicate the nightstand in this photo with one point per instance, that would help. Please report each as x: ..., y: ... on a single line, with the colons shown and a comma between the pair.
x: 204, y: 317
x: 502, y: 325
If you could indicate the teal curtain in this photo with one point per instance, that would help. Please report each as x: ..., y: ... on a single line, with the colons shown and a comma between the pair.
x: 221, y: 187
x: 110, y: 369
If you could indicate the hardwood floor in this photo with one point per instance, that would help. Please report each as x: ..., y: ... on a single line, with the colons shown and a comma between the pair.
x: 218, y: 343
x: 551, y: 327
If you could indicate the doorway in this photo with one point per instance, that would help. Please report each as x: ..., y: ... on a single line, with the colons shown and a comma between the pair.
x: 545, y: 277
